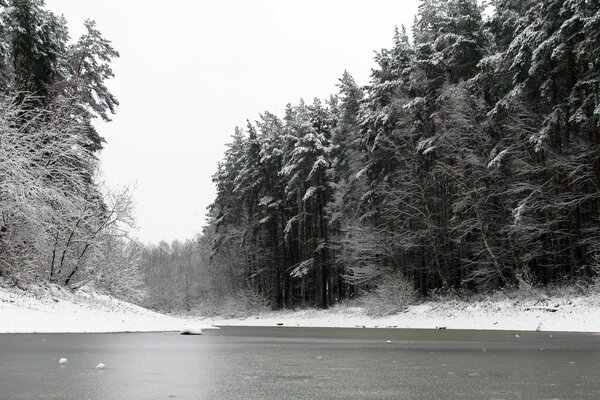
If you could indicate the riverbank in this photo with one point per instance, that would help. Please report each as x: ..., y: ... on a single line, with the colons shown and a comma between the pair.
x: 52, y: 309
x: 534, y: 311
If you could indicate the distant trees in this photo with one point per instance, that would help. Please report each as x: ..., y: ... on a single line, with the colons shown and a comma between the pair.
x: 177, y: 275
x: 469, y: 160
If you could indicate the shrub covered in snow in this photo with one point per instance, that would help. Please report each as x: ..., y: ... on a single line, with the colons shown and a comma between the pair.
x: 392, y: 294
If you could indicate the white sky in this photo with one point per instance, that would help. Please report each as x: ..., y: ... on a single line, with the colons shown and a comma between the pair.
x: 190, y: 71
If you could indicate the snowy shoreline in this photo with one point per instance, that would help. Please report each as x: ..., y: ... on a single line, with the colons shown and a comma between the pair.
x: 51, y: 309
x: 558, y: 314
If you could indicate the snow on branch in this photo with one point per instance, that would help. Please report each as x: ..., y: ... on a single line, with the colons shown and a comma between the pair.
x: 302, y: 268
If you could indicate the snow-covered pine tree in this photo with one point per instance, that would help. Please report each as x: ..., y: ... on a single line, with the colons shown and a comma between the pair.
x: 308, y: 134
x: 273, y: 212
x: 37, y: 40
x: 348, y: 156
x: 87, y: 65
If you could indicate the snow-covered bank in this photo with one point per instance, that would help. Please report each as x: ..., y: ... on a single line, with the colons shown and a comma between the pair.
x: 53, y: 309
x: 560, y: 313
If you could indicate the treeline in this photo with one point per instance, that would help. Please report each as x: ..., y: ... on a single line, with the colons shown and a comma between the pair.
x: 176, y: 276
x: 470, y: 161
x: 180, y: 277
x: 56, y: 223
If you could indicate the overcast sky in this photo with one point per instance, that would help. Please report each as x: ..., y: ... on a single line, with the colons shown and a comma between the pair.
x: 190, y: 71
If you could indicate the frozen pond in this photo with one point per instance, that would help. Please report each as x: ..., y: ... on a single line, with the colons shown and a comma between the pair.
x: 170, y: 366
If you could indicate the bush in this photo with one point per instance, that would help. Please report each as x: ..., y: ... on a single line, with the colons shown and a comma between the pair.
x: 392, y: 294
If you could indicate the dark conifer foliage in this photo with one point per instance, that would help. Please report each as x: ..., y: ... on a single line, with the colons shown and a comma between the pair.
x: 471, y: 158
x: 37, y: 38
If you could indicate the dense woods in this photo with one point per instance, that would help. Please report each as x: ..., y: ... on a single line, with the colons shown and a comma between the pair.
x: 469, y: 162
x: 57, y: 223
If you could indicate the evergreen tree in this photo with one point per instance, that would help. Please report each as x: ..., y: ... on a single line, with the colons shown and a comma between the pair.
x: 88, y: 67
x: 38, y: 40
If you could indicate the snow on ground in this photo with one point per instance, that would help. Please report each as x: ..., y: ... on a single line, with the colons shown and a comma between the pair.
x: 53, y: 309
x: 561, y: 313
x: 50, y: 308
